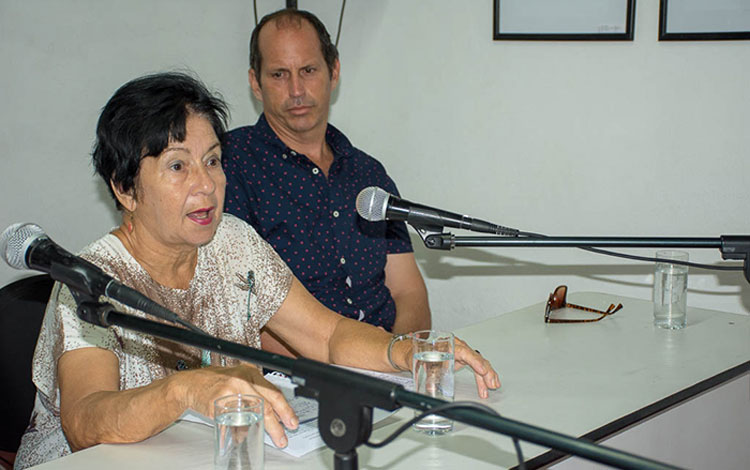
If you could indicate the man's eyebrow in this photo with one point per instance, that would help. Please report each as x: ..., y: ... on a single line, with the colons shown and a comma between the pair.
x: 280, y: 68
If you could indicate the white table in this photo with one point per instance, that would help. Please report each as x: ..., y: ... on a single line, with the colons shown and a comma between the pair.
x: 586, y: 379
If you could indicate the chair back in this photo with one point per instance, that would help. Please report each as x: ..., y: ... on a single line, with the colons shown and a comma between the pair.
x: 22, y: 305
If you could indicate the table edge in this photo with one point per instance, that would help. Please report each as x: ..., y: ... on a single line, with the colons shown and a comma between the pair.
x: 637, y: 416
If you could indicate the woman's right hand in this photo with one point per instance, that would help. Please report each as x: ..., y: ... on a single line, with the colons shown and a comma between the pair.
x: 199, y: 388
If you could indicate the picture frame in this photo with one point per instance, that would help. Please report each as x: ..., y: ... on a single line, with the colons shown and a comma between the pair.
x: 563, y: 20
x: 704, y: 20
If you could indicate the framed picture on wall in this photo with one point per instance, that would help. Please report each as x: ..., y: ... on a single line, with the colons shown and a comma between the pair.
x: 689, y: 20
x: 564, y: 20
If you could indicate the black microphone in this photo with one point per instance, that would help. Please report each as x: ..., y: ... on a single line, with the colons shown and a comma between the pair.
x: 27, y: 246
x: 376, y: 204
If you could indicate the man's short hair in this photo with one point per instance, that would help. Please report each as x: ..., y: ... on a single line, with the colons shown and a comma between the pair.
x: 143, y: 116
x: 330, y: 53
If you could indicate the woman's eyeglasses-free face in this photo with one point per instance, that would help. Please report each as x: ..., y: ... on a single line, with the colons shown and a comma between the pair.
x: 557, y: 301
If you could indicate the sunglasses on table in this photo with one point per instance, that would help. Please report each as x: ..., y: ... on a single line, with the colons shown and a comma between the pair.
x: 557, y: 301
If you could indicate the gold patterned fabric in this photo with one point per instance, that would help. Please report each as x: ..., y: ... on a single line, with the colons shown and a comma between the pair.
x: 239, y: 283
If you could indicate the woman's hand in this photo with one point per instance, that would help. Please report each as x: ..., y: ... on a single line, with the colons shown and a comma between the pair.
x: 484, y: 374
x: 201, y: 387
x: 464, y: 355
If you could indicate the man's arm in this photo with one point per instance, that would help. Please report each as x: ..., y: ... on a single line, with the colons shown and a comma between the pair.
x: 403, y: 279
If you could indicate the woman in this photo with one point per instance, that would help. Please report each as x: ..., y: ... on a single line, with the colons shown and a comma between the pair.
x: 158, y: 150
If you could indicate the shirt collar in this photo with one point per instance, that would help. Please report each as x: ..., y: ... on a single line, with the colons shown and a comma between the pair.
x: 338, y: 142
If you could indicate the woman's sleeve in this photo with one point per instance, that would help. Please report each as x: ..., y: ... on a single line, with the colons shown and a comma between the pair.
x: 63, y: 331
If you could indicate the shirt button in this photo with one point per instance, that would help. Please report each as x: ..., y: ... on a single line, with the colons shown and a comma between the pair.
x: 349, y: 301
x: 342, y: 260
x: 293, y: 152
x: 315, y: 171
x: 283, y: 156
x: 335, y: 213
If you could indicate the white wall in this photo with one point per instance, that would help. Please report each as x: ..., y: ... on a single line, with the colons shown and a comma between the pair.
x: 594, y: 138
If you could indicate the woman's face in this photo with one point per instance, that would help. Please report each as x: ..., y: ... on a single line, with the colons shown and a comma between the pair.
x: 180, y: 194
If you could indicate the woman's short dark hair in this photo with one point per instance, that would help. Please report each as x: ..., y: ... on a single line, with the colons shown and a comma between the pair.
x: 143, y: 116
x: 327, y: 48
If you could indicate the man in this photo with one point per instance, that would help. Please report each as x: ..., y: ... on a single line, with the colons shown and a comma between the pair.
x: 295, y: 178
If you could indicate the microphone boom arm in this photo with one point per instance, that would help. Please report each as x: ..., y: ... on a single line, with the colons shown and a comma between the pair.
x: 732, y: 247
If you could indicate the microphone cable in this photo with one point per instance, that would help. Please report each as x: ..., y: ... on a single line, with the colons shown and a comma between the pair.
x: 448, y: 406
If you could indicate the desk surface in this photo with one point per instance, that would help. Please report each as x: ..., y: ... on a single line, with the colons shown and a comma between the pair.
x: 586, y: 379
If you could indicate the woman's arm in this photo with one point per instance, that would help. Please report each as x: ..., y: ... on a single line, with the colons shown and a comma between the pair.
x: 321, y: 334
x: 93, y: 410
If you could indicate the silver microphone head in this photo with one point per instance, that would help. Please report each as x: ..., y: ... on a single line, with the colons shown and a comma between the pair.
x: 372, y: 203
x: 15, y: 241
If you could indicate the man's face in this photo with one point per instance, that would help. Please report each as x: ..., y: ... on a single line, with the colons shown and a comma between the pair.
x: 294, y: 85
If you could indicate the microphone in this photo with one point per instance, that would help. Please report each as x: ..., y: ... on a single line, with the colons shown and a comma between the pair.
x: 376, y: 204
x: 27, y: 246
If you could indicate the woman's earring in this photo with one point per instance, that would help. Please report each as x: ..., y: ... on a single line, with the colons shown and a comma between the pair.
x: 129, y: 223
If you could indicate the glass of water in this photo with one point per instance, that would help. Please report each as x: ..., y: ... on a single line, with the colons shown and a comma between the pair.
x: 239, y: 433
x: 432, y: 367
x: 670, y: 290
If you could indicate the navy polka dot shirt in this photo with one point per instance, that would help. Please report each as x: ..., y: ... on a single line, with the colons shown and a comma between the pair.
x: 312, y: 221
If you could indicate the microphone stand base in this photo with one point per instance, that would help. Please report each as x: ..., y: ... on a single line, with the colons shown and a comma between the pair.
x: 346, y: 461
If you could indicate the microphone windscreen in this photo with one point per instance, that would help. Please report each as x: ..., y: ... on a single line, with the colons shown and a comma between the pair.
x: 372, y: 203
x: 15, y: 241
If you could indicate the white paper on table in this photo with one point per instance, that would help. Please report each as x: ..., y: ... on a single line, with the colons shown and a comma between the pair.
x: 398, y: 378
x: 306, y: 409
x: 193, y: 416
x: 306, y: 437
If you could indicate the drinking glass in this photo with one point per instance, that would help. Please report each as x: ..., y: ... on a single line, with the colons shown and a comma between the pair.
x: 432, y: 367
x: 670, y: 290
x: 239, y: 433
